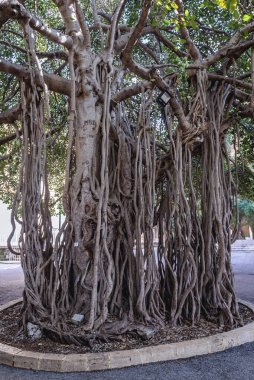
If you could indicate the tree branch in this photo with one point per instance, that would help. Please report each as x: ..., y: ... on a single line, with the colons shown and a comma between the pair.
x: 15, y: 10
x: 4, y: 16
x: 133, y: 90
x: 192, y: 48
x: 105, y: 15
x: 168, y: 43
x: 83, y: 25
x: 229, y: 50
x: 54, y: 82
x: 149, y: 52
x: 233, y: 81
x: 114, y: 23
x: 214, y: 30
x: 240, y: 33
x: 10, y: 116
x: 19, y: 133
x: 59, y: 54
x: 137, y: 31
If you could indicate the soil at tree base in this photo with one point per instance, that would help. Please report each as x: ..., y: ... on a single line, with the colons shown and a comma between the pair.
x: 9, y: 334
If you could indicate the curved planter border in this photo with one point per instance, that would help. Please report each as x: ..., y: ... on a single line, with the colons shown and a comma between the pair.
x: 16, y: 357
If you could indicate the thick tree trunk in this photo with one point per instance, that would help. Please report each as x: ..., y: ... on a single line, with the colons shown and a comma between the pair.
x: 103, y: 263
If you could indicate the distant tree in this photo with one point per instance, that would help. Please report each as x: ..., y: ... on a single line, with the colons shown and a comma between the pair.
x: 246, y: 212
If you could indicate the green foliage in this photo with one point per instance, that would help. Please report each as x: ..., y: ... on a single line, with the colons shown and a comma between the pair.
x: 246, y: 211
x: 231, y: 5
x: 244, y: 145
x: 247, y: 17
x: 225, y: 16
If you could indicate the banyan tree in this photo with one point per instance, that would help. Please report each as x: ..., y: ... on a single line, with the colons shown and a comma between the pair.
x: 152, y: 95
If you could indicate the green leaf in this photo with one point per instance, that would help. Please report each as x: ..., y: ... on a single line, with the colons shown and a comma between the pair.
x: 154, y: 23
x: 174, y: 5
x: 204, y: 4
x: 193, y: 24
x: 247, y: 17
x: 222, y: 3
x: 232, y: 5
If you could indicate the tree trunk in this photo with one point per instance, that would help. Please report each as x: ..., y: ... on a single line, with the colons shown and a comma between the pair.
x: 103, y: 263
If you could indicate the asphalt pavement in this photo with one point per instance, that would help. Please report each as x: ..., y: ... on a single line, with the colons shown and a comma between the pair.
x: 243, y: 267
x: 11, y: 282
x: 234, y: 364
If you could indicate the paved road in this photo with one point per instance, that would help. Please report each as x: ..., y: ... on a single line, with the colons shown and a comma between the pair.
x: 11, y: 282
x: 233, y: 364
x: 243, y: 267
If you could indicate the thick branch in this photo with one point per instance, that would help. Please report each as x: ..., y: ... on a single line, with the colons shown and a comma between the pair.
x: 10, y: 116
x: 241, y: 95
x: 168, y: 43
x: 69, y: 16
x: 60, y: 54
x: 240, y: 33
x: 54, y: 82
x: 162, y: 85
x: 14, y: 9
x: 105, y: 15
x: 4, y: 16
x: 137, y: 31
x: 192, y: 48
x: 127, y: 92
x: 233, y: 81
x: 9, y: 138
x: 19, y: 133
x: 149, y: 52
x: 229, y: 50
x: 83, y: 25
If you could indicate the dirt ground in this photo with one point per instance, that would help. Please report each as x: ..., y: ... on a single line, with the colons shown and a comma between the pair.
x: 9, y: 334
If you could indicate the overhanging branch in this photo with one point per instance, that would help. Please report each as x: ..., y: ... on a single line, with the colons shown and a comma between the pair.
x: 13, y: 136
x: 60, y: 54
x: 137, y: 31
x: 15, y: 10
x: 10, y: 116
x: 131, y: 91
x: 233, y: 81
x: 54, y: 82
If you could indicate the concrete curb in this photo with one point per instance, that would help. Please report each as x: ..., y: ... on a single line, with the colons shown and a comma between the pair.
x: 10, y: 303
x: 16, y: 357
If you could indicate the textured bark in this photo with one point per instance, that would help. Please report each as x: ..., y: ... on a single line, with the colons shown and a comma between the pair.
x: 119, y: 186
